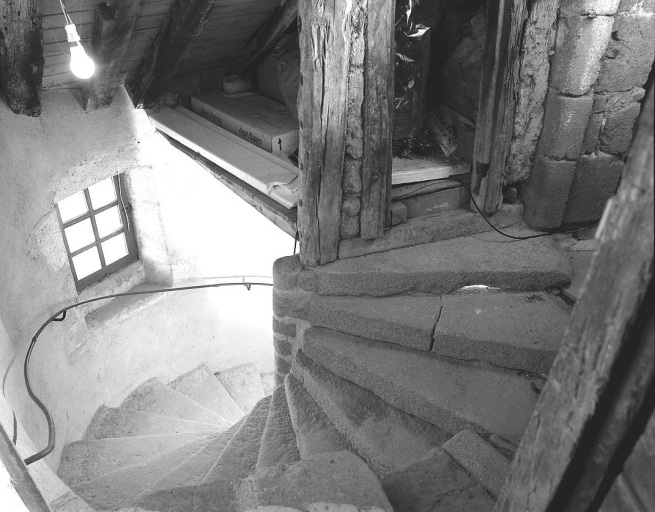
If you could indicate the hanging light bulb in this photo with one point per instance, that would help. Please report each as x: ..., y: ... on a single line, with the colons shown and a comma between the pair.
x: 81, y: 64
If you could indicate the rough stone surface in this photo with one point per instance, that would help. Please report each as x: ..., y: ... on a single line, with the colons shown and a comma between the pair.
x: 435, y: 484
x: 581, y: 42
x: 621, y: 111
x: 244, y: 385
x: 284, y: 328
x: 403, y: 320
x: 336, y: 477
x: 564, y: 128
x: 647, y: 6
x: 595, y: 125
x: 449, y: 395
x: 589, y: 7
x: 315, y: 433
x: 278, y: 444
x: 512, y: 330
x: 283, y: 347
x: 546, y: 193
x: 385, y: 437
x: 282, y: 364
x: 480, y: 459
x: 202, y: 386
x: 629, y: 56
x: 596, y: 179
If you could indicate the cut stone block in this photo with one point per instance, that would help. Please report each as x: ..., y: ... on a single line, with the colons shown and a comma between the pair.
x: 315, y: 433
x: 244, y: 385
x: 565, y: 124
x: 156, y: 398
x: 480, y: 459
x: 512, y: 330
x: 385, y: 437
x: 621, y: 111
x: 452, y: 396
x: 278, y: 445
x: 202, y: 386
x: 119, y: 422
x: 405, y: 320
x: 436, y: 483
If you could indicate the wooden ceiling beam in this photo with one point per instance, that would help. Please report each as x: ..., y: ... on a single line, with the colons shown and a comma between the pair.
x: 112, y: 33
x: 21, y: 55
x: 183, y: 24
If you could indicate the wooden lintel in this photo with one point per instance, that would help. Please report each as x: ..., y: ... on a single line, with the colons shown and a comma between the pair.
x: 112, y: 32
x: 183, y: 24
x: 264, y: 38
x: 21, y: 55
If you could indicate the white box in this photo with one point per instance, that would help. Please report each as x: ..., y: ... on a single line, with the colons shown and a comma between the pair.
x: 263, y: 122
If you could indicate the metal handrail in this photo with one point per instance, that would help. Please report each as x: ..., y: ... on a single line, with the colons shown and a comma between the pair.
x: 60, y: 316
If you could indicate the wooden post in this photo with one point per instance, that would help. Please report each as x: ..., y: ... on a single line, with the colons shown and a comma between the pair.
x: 605, y: 365
x: 112, y: 31
x: 21, y: 55
x: 183, y: 24
x: 495, y: 121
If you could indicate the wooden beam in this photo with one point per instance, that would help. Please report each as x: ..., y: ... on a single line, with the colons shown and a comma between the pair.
x: 495, y: 121
x: 112, y: 33
x: 264, y: 38
x: 601, y: 375
x: 21, y: 55
x: 183, y: 24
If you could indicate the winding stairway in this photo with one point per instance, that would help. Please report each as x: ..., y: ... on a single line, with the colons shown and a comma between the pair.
x: 405, y: 381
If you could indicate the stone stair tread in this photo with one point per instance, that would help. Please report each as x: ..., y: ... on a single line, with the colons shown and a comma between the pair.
x: 405, y: 319
x: 217, y: 491
x: 436, y: 483
x: 120, y: 422
x: 438, y: 267
x: 116, y: 489
x: 451, y: 395
x: 480, y: 459
x: 244, y: 385
x: 520, y: 330
x: 202, y: 386
x: 155, y: 397
x: 82, y: 461
x: 278, y: 445
x: 315, y: 433
x: 175, y: 490
x: 383, y: 436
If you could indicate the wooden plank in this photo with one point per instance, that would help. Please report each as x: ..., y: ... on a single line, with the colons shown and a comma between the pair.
x: 325, y: 34
x: 405, y: 170
x: 605, y: 364
x: 111, y: 39
x: 377, y: 114
x: 639, y: 469
x: 21, y: 55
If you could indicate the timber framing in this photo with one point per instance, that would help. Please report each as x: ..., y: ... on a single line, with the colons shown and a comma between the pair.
x: 21, y: 55
x: 183, y: 24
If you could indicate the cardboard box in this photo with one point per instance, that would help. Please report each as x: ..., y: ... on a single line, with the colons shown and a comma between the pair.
x: 263, y: 122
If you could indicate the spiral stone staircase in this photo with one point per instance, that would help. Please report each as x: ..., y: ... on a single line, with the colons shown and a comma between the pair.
x: 404, y: 379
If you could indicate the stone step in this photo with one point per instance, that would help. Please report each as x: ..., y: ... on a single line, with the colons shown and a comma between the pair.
x: 452, y: 395
x: 118, y: 488
x: 174, y: 491
x: 118, y: 422
x: 218, y: 490
x: 244, y: 385
x: 202, y: 386
x: 278, y: 444
x: 315, y: 433
x: 82, y: 461
x: 383, y: 436
x: 436, y: 483
x: 156, y: 397
x: 513, y: 330
x: 480, y: 459
x: 439, y: 267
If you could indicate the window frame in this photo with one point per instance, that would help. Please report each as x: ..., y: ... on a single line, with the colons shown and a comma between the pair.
x: 91, y: 213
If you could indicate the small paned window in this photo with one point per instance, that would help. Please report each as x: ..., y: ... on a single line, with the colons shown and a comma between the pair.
x: 97, y: 231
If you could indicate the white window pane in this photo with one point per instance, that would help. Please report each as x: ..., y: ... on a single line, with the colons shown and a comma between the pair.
x: 72, y: 207
x: 114, y: 249
x: 87, y: 263
x: 108, y: 222
x: 102, y: 193
x: 80, y: 234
